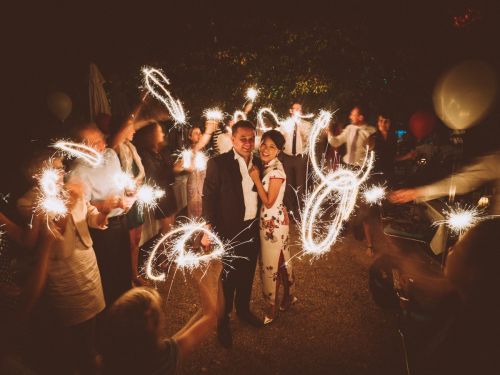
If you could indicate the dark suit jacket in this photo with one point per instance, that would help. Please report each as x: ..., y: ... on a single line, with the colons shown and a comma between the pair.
x: 223, y: 203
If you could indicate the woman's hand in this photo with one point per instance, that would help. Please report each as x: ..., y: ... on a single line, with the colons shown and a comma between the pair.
x: 254, y: 173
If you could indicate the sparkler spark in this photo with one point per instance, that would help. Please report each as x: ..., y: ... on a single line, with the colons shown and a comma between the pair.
x: 80, y: 150
x: 175, y: 249
x: 52, y: 200
x: 459, y: 219
x: 196, y: 160
x: 155, y: 81
x: 374, y: 194
x: 339, y: 188
x: 148, y: 196
x: 239, y: 115
x: 260, y: 118
x: 214, y: 114
x: 124, y: 181
x: 252, y: 94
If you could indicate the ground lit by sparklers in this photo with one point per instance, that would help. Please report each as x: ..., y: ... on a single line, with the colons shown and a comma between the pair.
x: 155, y: 82
x: 81, y: 151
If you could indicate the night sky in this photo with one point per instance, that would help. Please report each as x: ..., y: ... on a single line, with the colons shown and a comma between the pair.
x: 49, y: 47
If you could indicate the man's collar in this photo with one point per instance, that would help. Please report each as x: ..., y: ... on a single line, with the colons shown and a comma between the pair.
x: 238, y: 157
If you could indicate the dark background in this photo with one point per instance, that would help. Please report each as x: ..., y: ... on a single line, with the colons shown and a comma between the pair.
x: 385, y: 54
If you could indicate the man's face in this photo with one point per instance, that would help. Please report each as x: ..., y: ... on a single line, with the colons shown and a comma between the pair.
x: 356, y: 117
x: 244, y: 142
x: 383, y: 124
x: 296, y: 109
x: 94, y: 138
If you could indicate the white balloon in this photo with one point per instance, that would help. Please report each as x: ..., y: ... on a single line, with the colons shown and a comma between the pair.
x: 60, y: 105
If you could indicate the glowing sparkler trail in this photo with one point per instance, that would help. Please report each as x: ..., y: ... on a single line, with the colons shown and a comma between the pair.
x: 214, y: 114
x: 239, y: 115
x: 260, y: 118
x: 52, y: 200
x: 252, y: 94
x: 174, y: 244
x: 374, y: 194
x: 80, y: 150
x: 342, y: 185
x: 196, y: 160
x: 155, y: 81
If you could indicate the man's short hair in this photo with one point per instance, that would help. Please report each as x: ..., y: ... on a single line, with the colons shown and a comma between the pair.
x: 242, y: 124
x: 76, y: 133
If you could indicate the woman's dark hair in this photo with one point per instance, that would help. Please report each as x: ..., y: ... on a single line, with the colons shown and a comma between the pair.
x: 276, y: 137
x: 145, y: 137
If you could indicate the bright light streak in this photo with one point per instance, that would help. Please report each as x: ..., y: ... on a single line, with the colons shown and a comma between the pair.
x: 374, y: 194
x: 175, y: 249
x: 338, y: 188
x: 124, y: 181
x: 148, y: 196
x: 459, y: 219
x: 52, y: 200
x: 155, y: 81
x: 196, y: 160
x: 200, y: 161
x: 80, y: 150
x: 252, y: 94
x: 260, y: 118
x: 239, y: 115
x: 214, y: 114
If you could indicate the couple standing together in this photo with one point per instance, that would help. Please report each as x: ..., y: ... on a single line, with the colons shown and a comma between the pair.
x: 243, y: 203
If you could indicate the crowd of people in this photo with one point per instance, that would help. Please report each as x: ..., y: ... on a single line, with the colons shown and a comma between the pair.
x: 86, y: 264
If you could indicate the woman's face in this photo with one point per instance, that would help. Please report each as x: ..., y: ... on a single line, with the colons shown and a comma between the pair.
x: 195, y: 136
x: 130, y: 132
x: 384, y: 124
x: 268, y: 150
x: 159, y: 135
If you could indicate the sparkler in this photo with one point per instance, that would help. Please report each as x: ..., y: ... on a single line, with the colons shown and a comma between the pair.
x: 459, y: 219
x: 124, y: 181
x: 155, y: 81
x: 196, y: 160
x: 80, y: 150
x: 260, y: 118
x: 239, y: 115
x: 374, y: 194
x: 214, y: 114
x: 339, y: 187
x: 175, y: 249
x: 252, y: 94
x: 148, y: 196
x: 52, y: 200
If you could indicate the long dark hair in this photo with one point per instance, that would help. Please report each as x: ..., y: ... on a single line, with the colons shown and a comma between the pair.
x: 144, y: 138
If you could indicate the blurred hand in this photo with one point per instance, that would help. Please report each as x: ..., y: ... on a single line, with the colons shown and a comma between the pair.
x: 75, y: 192
x: 248, y: 107
x: 403, y: 195
x: 211, y: 126
x: 111, y: 203
x: 254, y: 173
x: 127, y: 202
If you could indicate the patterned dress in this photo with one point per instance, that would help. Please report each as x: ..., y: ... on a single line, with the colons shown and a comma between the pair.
x: 274, y: 253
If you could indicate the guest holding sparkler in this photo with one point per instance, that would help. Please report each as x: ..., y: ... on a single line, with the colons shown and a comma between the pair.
x: 135, y: 323
x: 131, y: 164
x: 112, y: 245
x: 230, y: 207
x: 159, y: 169
x: 357, y: 137
x: 276, y: 268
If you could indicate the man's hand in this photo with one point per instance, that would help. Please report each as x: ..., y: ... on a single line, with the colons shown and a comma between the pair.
x: 404, y: 195
x: 205, y: 240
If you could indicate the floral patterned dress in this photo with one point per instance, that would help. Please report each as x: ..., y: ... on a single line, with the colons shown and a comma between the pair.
x: 274, y: 253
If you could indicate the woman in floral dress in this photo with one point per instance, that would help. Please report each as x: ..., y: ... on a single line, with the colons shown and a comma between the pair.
x: 276, y: 268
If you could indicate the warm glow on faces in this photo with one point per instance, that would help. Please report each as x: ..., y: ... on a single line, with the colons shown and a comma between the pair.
x: 296, y: 108
x: 159, y: 135
x: 384, y: 124
x: 94, y: 138
x: 356, y: 117
x: 244, y: 141
x: 195, y: 136
x: 268, y: 150
x: 130, y: 132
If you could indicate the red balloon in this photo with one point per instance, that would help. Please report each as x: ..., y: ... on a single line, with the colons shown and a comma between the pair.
x: 422, y: 123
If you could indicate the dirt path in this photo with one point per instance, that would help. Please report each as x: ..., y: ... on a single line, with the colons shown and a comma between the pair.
x: 335, y: 328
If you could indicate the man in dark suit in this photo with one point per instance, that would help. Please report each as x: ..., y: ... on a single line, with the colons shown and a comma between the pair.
x: 230, y: 208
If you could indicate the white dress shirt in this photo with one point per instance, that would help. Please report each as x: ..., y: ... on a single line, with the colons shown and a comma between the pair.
x: 303, y: 129
x: 356, y: 139
x: 249, y: 196
x: 98, y: 182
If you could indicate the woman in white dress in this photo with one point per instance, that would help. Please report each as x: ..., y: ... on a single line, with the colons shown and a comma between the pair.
x: 276, y: 268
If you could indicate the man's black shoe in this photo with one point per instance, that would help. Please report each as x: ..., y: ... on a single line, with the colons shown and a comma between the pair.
x: 224, y: 334
x: 251, y: 319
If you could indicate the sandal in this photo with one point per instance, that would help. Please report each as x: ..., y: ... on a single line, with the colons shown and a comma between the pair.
x: 369, y: 251
x: 268, y: 320
x: 287, y: 306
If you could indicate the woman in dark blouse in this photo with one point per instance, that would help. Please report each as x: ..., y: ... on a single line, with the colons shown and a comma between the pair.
x: 385, y: 150
x: 159, y: 169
